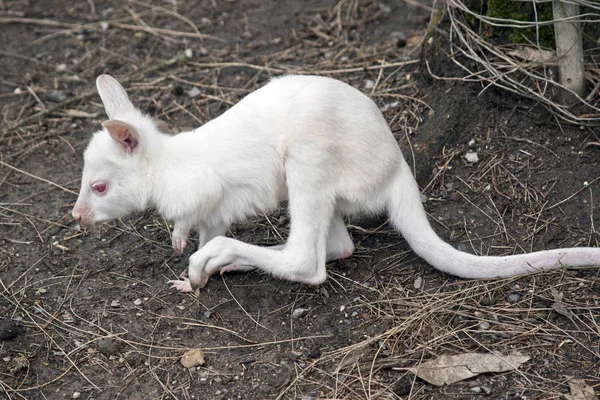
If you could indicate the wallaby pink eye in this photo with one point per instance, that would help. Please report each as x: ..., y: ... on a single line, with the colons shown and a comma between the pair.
x: 99, y: 187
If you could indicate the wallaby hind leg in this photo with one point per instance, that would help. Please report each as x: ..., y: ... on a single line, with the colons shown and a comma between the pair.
x: 339, y: 242
x: 301, y: 260
x: 339, y: 245
x: 207, y: 233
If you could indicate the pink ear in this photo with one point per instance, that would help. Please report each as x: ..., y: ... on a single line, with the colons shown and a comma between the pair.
x: 122, y: 133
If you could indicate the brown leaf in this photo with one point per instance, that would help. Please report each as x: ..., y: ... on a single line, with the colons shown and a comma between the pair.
x: 533, y: 55
x: 559, y: 306
x: 192, y: 358
x: 580, y: 390
x: 452, y: 369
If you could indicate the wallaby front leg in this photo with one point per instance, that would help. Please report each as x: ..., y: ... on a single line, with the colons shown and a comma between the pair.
x: 181, y: 232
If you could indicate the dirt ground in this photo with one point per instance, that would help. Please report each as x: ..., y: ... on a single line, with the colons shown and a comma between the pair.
x: 93, y: 315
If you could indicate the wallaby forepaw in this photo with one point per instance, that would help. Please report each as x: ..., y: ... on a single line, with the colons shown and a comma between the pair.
x: 179, y: 244
x: 182, y: 285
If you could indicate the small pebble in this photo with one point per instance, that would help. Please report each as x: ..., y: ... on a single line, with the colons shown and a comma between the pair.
x: 484, y: 325
x: 454, y: 196
x: 472, y: 157
x: 56, y: 96
x: 293, y: 356
x: 8, y: 330
x: 193, y: 92
x: 109, y: 346
x: 487, y: 301
x: 403, y: 387
x: 76, y: 395
x: 189, y: 53
x: 177, y: 90
x: 115, y: 303
x: 399, y: 39
x: 418, y: 283
x: 68, y: 318
x: 137, y: 302
x: 369, y: 84
x: 513, y: 297
x: 192, y: 358
x: 315, y: 353
x: 299, y: 312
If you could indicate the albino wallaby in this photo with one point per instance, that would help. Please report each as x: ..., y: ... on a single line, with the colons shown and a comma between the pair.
x: 315, y: 141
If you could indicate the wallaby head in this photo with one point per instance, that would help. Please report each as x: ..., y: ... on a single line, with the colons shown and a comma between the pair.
x: 116, y: 161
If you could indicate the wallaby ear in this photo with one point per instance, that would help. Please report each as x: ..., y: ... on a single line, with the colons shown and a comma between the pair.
x: 123, y: 133
x: 113, y: 96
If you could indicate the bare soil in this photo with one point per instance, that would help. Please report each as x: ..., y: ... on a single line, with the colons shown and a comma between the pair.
x: 94, y: 316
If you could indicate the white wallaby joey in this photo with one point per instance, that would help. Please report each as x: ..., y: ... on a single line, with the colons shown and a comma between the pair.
x: 315, y: 141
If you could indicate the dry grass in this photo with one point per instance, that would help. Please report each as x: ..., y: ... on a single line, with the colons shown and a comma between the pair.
x: 406, y: 324
x: 529, y: 69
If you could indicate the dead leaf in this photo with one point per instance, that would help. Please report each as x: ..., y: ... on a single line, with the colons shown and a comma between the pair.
x: 559, y: 306
x: 562, y: 309
x: 580, y: 390
x: 352, y: 357
x: 192, y: 358
x: 18, y: 363
x: 532, y: 55
x: 414, y: 40
x: 452, y: 369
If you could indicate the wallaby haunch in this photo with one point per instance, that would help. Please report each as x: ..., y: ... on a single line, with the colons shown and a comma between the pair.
x: 314, y: 141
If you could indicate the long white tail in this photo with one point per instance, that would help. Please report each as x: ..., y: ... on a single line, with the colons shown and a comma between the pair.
x: 408, y: 216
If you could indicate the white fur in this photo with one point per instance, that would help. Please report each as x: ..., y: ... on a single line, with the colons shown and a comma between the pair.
x: 315, y: 141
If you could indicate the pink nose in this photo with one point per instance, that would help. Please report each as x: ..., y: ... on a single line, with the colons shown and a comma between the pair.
x: 79, y: 215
